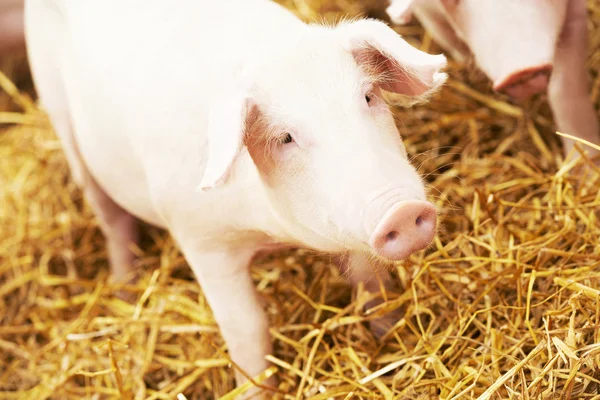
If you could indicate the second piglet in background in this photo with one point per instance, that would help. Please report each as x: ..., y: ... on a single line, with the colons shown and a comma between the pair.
x: 524, y: 46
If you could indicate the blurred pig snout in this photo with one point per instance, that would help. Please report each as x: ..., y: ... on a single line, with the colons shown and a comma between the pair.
x: 525, y: 83
x: 407, y: 227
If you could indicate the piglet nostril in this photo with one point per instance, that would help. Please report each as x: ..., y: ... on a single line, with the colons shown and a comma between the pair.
x: 419, y: 220
x: 391, y: 236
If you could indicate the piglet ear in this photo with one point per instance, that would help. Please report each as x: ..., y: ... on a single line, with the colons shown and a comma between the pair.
x: 450, y: 5
x: 400, y: 11
x: 225, y: 135
x: 394, y: 64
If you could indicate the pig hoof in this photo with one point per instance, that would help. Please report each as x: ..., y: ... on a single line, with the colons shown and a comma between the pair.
x: 583, y: 167
x: 122, y: 293
x: 126, y: 296
x: 382, y: 325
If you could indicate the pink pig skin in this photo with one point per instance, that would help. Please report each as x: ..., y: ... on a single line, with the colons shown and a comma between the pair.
x: 236, y: 127
x: 12, y: 37
x: 524, y: 46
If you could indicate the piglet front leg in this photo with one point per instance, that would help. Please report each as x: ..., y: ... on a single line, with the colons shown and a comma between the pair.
x: 569, y: 85
x: 224, y: 276
x: 359, y: 268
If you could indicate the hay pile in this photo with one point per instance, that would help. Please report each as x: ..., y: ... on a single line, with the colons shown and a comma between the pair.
x: 505, y: 305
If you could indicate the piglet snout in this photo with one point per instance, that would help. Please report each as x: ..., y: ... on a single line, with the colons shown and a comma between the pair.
x: 407, y: 227
x: 525, y: 83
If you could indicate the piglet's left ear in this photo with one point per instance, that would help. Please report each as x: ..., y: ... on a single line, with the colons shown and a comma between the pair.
x: 396, y: 66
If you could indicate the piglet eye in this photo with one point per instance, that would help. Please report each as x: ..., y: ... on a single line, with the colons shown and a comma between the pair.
x: 368, y: 98
x: 286, y: 138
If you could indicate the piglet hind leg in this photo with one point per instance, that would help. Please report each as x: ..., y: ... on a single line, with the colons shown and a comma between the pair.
x: 569, y: 87
x: 119, y: 228
x: 362, y: 269
x: 224, y: 276
x: 117, y: 225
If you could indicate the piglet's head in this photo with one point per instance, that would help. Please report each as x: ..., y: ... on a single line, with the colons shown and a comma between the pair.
x: 513, y: 41
x: 324, y: 143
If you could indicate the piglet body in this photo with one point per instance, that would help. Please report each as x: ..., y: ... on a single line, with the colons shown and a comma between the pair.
x: 524, y: 46
x: 230, y: 123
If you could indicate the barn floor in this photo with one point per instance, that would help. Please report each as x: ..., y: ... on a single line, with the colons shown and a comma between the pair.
x: 505, y: 305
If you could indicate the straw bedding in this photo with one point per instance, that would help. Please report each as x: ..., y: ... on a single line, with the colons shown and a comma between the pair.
x: 505, y: 305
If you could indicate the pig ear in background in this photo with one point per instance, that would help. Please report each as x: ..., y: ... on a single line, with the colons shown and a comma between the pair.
x: 450, y: 5
x: 226, y: 127
x: 400, y: 11
x: 395, y: 65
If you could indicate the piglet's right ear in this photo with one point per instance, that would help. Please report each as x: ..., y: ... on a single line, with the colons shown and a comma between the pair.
x: 225, y: 135
x: 400, y: 11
